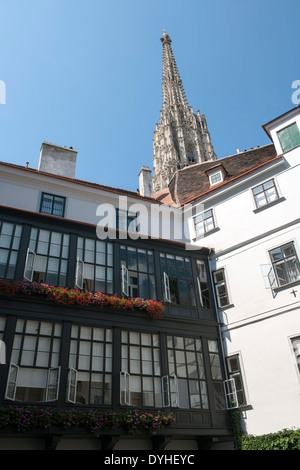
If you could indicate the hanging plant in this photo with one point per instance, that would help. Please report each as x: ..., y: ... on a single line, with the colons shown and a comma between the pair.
x: 23, y: 419
x: 66, y: 296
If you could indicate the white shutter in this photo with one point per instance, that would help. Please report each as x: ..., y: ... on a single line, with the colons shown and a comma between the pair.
x: 72, y: 388
x: 125, y: 377
x: 2, y: 352
x: 125, y: 286
x: 230, y: 393
x: 268, y: 275
x: 11, y: 387
x: 79, y: 274
x: 53, y: 384
x: 167, y: 294
x: 165, y: 388
x: 29, y: 265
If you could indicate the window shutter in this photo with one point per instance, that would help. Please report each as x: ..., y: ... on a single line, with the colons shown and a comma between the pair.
x: 29, y: 265
x: 53, y: 384
x: 175, y: 401
x: 12, y: 382
x: 2, y: 352
x: 165, y: 387
x: 126, y: 388
x: 268, y: 275
x: 72, y: 388
x: 167, y: 294
x: 230, y: 393
x: 79, y: 274
x: 170, y: 391
x: 125, y: 286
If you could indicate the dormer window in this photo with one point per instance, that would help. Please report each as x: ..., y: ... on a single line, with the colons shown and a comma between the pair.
x: 216, y: 175
x: 289, y: 137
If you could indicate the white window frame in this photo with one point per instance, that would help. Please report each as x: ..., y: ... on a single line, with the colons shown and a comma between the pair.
x: 9, y: 382
x: 167, y: 293
x: 56, y: 385
x: 272, y: 264
x: 230, y: 391
x: 205, y: 232
x: 166, y: 390
x: 224, y: 283
x: 267, y: 203
x: 28, y: 267
x: 126, y: 389
x: 125, y: 281
x: 218, y: 172
x: 268, y: 276
x: 295, y: 355
x: 79, y: 274
x: 72, y: 385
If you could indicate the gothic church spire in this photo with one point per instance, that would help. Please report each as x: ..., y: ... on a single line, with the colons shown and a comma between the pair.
x: 181, y: 138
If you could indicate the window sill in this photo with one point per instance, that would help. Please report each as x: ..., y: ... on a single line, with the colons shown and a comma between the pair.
x: 286, y: 286
x: 266, y: 206
x: 225, y: 307
x: 214, y: 230
x: 245, y: 407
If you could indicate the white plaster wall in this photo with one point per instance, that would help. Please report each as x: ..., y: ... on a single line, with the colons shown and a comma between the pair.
x: 21, y: 189
x: 234, y: 210
x: 271, y: 377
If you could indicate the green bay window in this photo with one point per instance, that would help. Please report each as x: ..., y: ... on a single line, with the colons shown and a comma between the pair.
x: 90, y: 366
x: 186, y: 379
x: 94, y: 265
x: 47, y: 257
x: 137, y: 272
x: 10, y: 235
x: 140, y: 370
x: 177, y: 279
x: 35, y: 362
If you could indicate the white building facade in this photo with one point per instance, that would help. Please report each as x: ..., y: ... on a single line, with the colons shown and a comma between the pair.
x: 253, y: 227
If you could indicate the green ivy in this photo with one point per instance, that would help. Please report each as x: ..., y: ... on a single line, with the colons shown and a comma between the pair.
x: 237, y: 427
x: 287, y: 439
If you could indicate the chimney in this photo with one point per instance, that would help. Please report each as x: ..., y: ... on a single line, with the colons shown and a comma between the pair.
x: 145, y: 182
x: 57, y: 160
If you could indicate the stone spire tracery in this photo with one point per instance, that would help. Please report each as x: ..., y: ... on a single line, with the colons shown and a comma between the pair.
x: 181, y: 138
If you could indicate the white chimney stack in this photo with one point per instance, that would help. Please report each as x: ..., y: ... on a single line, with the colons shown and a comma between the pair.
x: 57, y: 160
x: 145, y: 182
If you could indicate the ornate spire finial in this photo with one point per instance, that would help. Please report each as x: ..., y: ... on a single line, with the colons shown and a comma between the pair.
x: 166, y: 37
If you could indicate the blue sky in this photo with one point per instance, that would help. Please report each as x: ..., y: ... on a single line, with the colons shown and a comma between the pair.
x: 87, y: 74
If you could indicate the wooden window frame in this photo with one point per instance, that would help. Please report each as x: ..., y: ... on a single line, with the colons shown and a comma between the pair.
x: 279, y: 132
x: 217, y: 284
x: 264, y: 192
x: 52, y: 210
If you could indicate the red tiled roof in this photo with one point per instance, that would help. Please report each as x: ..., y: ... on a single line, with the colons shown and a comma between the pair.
x: 192, y: 182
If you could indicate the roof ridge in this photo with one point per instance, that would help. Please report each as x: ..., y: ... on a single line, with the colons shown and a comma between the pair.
x: 80, y: 181
x: 216, y: 162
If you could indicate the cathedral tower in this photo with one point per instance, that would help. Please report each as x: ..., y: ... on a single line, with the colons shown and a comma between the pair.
x: 181, y: 138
